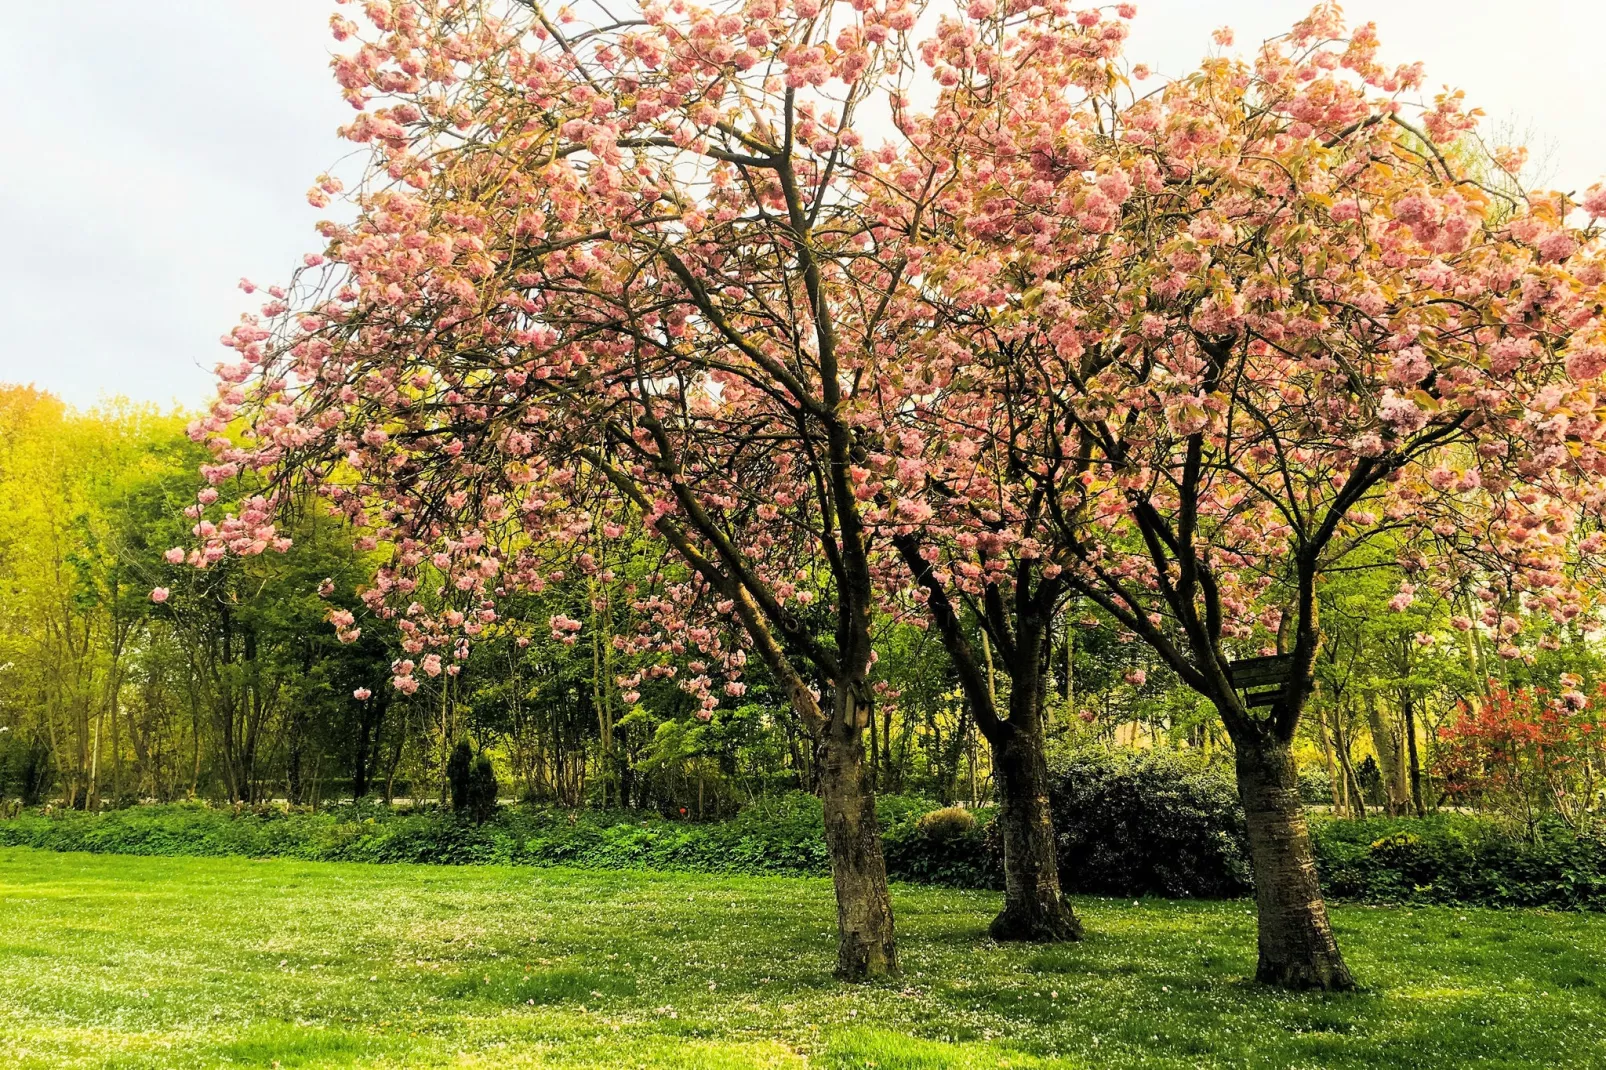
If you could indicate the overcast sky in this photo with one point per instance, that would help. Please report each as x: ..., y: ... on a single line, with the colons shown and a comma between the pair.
x: 160, y: 151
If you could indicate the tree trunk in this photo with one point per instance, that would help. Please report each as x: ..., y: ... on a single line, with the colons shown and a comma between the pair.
x: 1414, y: 760
x: 1352, y: 783
x: 865, y: 947
x: 1386, y: 741
x: 1034, y: 908
x: 1297, y: 946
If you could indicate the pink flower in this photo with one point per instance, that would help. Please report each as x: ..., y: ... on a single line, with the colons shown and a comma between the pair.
x: 362, y: 694
x: 1411, y: 366
x: 1586, y: 362
x: 175, y: 556
x: 159, y: 595
x: 1507, y: 354
x: 1594, y: 201
x: 1557, y: 245
x: 1136, y: 677
x: 1368, y: 445
x: 1401, y: 414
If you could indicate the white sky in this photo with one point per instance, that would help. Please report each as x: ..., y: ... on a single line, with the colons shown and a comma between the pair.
x: 160, y: 151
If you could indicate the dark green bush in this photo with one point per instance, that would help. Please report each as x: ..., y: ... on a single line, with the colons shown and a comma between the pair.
x: 459, y: 768
x: 960, y: 852
x: 1149, y: 823
x: 481, y: 790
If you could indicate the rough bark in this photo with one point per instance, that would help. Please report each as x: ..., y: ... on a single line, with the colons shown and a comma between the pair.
x: 1034, y: 907
x: 1297, y: 946
x: 865, y: 946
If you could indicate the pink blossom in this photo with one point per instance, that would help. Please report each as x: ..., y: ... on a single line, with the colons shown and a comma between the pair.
x: 1586, y: 362
x: 1401, y: 414
x: 1594, y: 201
x: 1410, y: 367
x: 1507, y: 354
x: 362, y: 694
x: 159, y: 595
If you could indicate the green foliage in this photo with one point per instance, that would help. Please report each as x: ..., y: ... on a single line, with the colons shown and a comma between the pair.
x: 1459, y: 859
x: 481, y: 790
x: 951, y: 847
x: 26, y: 772
x: 1149, y: 823
x: 1315, y: 787
x: 459, y: 767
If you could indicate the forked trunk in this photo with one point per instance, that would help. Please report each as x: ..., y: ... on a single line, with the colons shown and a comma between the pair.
x: 1034, y: 908
x: 1297, y: 946
x: 865, y: 947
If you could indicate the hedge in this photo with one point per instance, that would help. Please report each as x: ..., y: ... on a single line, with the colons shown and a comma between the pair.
x: 1129, y: 824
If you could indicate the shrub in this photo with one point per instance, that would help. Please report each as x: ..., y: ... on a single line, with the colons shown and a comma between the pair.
x: 1149, y: 823
x: 1138, y: 824
x: 1527, y: 753
x: 481, y: 790
x: 1315, y: 787
x: 1451, y: 858
x: 951, y: 846
x: 949, y: 823
x: 459, y: 767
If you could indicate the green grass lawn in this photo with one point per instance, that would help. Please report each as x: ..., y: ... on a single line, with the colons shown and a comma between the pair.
x: 185, y: 962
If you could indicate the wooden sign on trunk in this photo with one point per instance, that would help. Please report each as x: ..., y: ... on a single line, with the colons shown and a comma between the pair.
x: 1261, y: 679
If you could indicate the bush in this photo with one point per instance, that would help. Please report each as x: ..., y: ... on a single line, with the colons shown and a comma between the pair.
x: 459, y: 767
x: 1128, y: 824
x: 1149, y: 823
x: 1315, y: 787
x: 951, y: 846
x: 481, y: 790
x: 949, y: 823
x: 1452, y: 858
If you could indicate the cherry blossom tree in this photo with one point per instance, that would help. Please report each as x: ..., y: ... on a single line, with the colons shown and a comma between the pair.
x: 1209, y: 344
x: 621, y: 274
